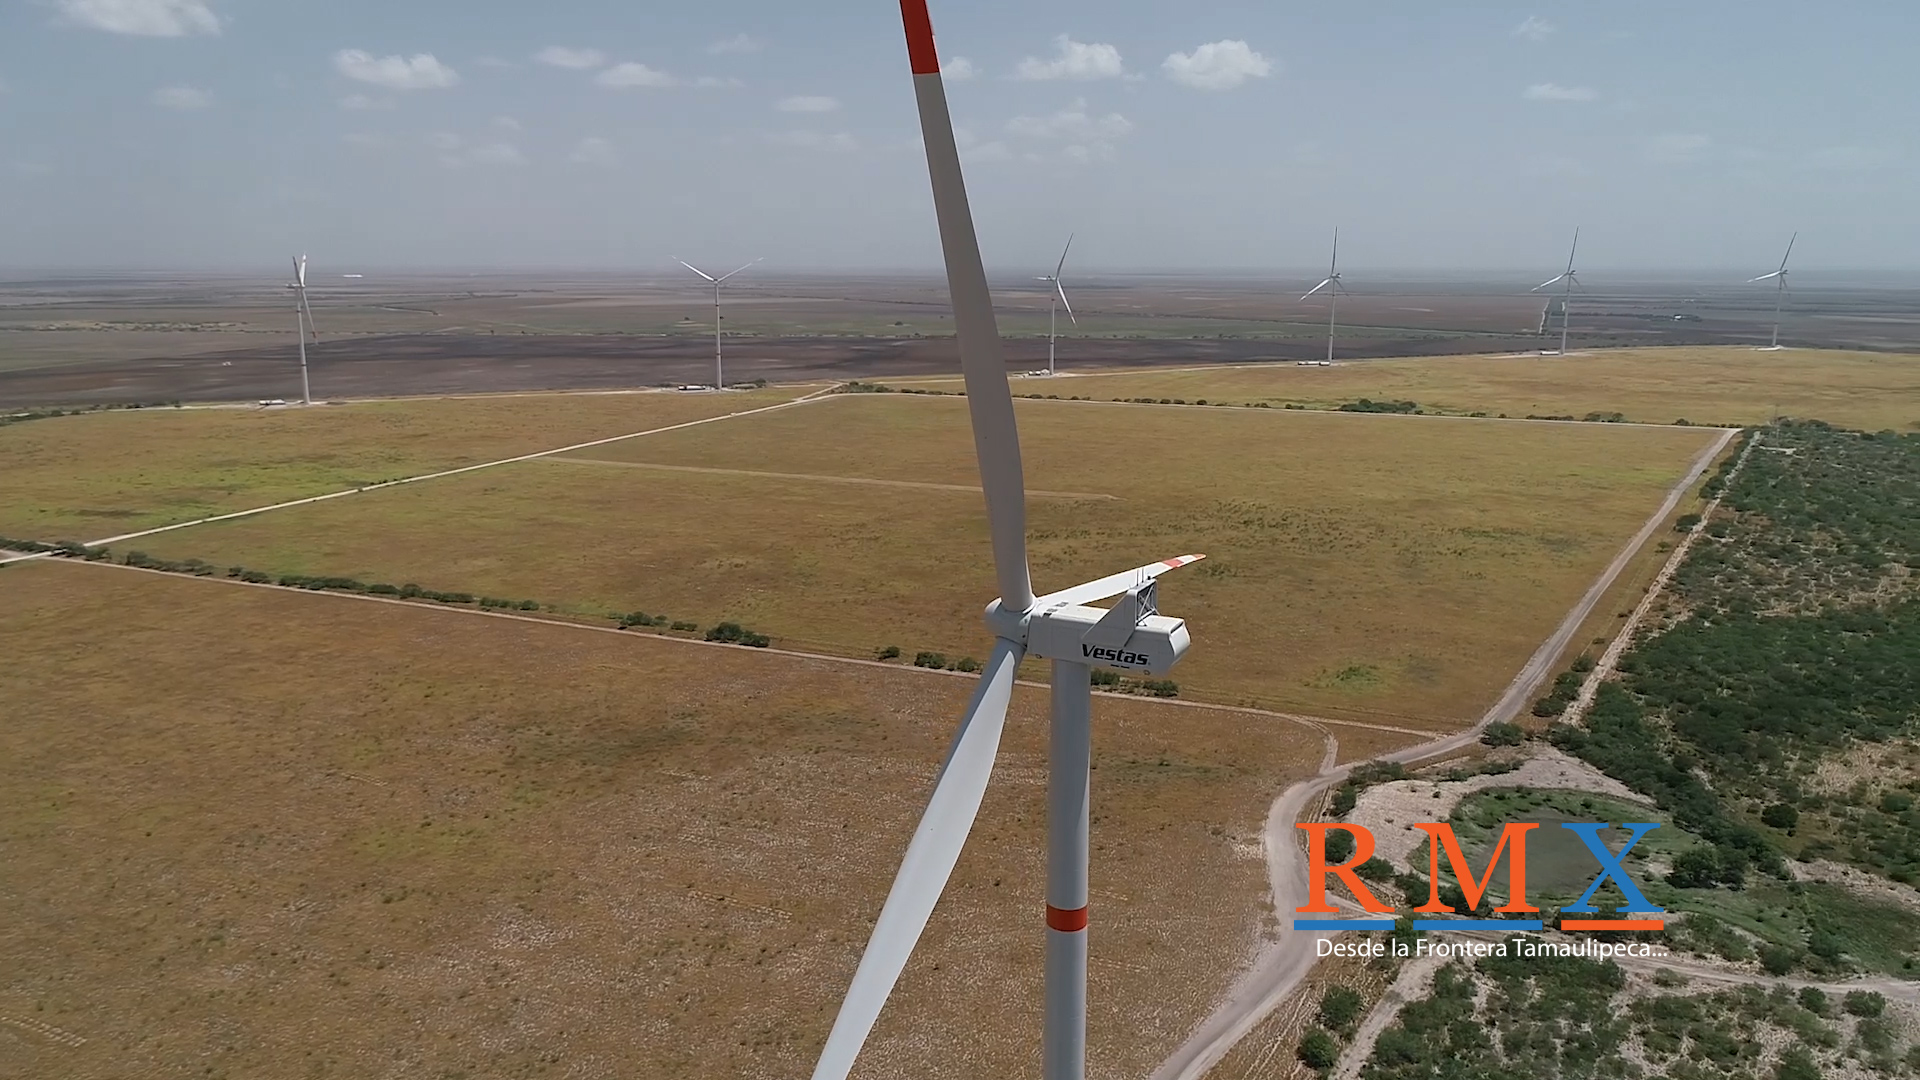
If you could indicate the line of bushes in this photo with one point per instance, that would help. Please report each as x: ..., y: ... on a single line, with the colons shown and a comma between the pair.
x: 1101, y: 677
x: 46, y: 414
x: 64, y: 548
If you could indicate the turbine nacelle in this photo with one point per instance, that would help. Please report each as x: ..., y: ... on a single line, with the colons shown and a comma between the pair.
x: 1130, y: 636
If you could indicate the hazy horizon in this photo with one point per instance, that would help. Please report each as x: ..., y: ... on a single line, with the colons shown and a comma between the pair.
x: 1218, y: 137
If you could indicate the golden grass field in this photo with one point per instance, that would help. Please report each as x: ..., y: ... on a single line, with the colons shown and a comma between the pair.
x: 1717, y: 385
x: 1358, y: 565
x: 252, y: 832
x: 100, y: 474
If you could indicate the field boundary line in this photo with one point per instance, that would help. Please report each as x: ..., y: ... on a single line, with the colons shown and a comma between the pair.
x: 1627, y: 424
x: 1291, y: 718
x: 821, y: 478
x: 805, y: 399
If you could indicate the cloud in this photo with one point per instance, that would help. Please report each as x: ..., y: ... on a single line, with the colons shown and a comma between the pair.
x: 736, y: 45
x: 362, y: 102
x: 577, y: 59
x: 840, y: 140
x: 184, y: 98
x: 1074, y: 60
x: 418, y: 72
x: 972, y: 148
x: 457, y: 153
x: 1547, y: 91
x: 958, y: 69
x: 592, y: 150
x: 507, y: 123
x: 145, y: 18
x: 1678, y: 147
x: 1083, y: 135
x: 807, y: 104
x: 1217, y: 65
x: 1534, y: 28
x: 622, y: 76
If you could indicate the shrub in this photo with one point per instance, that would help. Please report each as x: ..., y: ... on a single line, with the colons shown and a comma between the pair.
x: 525, y: 605
x: 726, y: 631
x: 1865, y: 1003
x: 1686, y: 523
x: 1318, y: 1051
x: 967, y: 663
x: 1161, y: 687
x: 929, y: 660
x: 1375, y: 869
x: 1814, y: 1000
x: 1339, y: 845
x: 891, y: 652
x: 1503, y: 735
x: 1780, y: 816
x: 1777, y: 959
x: 1339, y: 1007
x: 1103, y: 677
x: 687, y: 626
x: 380, y: 589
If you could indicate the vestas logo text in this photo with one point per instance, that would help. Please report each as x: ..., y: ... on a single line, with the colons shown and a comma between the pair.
x: 1116, y: 656
x: 1442, y: 844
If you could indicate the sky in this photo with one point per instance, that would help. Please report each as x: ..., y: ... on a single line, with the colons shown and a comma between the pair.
x: 1208, y: 134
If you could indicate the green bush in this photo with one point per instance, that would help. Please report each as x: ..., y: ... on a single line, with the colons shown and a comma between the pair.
x: 1340, y: 1007
x: 1503, y: 734
x: 1865, y: 1003
x: 929, y: 660
x: 1318, y: 1050
x: 967, y: 663
x: 687, y: 626
x: 891, y: 652
x: 1104, y: 677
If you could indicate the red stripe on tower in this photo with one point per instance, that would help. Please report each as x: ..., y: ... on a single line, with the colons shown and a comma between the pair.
x: 920, y: 50
x: 1067, y: 922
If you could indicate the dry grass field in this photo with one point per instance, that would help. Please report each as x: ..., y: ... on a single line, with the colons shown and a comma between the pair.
x: 1358, y: 565
x: 250, y: 832
x: 1728, y: 386
x: 101, y: 474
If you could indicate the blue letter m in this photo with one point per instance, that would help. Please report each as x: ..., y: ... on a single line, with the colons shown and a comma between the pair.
x: 1589, y: 831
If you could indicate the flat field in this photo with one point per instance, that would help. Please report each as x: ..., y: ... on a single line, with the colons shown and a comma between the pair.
x: 100, y: 474
x: 250, y: 832
x: 1725, y: 386
x: 1356, y: 564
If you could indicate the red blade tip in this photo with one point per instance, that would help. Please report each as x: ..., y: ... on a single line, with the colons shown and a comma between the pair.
x: 920, y: 50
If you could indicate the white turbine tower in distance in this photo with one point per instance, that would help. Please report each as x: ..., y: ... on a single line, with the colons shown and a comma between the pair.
x: 1332, y: 284
x: 1779, y: 277
x: 719, y: 379
x: 302, y: 323
x: 1056, y: 301
x: 1057, y: 627
x: 1566, y: 300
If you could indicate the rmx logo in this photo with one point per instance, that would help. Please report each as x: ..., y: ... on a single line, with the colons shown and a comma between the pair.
x: 1441, y: 841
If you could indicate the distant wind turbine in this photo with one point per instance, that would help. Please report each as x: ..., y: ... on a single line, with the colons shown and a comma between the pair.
x: 302, y: 323
x: 1779, y: 278
x: 719, y: 380
x: 1566, y: 300
x: 1334, y: 289
x: 1056, y: 301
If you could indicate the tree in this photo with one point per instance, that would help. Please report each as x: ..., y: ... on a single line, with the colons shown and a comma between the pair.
x: 1864, y: 1003
x: 890, y: 652
x: 1318, y: 1050
x: 1694, y: 868
x: 1780, y: 816
x: 1339, y: 845
x: 1502, y: 735
x: 1797, y: 1064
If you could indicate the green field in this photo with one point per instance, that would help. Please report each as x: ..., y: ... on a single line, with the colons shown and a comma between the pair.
x: 1730, y: 386
x: 1356, y: 564
x: 104, y: 473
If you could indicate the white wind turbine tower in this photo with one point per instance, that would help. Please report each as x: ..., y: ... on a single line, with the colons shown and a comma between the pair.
x: 302, y: 323
x: 719, y: 381
x: 1332, y: 284
x: 1058, y: 627
x: 1566, y: 300
x: 1779, y: 278
x: 1056, y: 301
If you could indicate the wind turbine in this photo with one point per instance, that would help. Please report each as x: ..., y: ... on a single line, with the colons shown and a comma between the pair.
x: 1780, y: 292
x: 1058, y: 299
x: 719, y: 382
x: 302, y: 323
x: 1334, y: 289
x: 1057, y: 627
x: 1571, y: 278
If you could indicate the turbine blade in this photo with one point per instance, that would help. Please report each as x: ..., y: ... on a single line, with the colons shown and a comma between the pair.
x: 996, y: 439
x: 1763, y: 277
x: 694, y: 268
x: 1318, y: 287
x: 1063, y: 257
x: 730, y: 273
x: 1544, y: 284
x: 1114, y: 584
x: 1576, y: 247
x: 1789, y: 254
x: 300, y: 270
x: 1334, y: 263
x: 1063, y: 301
x: 930, y: 858
x: 311, y: 329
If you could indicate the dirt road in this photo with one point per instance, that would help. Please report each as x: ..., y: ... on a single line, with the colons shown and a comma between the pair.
x: 1286, y: 960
